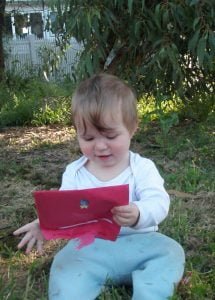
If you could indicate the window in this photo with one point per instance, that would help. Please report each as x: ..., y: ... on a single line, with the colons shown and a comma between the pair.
x: 21, y: 25
x: 36, y: 24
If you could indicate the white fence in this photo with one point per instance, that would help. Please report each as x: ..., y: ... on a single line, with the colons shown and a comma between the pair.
x: 32, y: 54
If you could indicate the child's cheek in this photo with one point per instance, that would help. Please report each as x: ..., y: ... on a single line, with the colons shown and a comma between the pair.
x: 85, y: 149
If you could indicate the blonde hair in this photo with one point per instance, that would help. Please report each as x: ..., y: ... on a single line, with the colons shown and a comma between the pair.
x: 103, y: 94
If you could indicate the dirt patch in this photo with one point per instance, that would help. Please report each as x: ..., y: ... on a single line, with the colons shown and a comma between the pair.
x: 31, y: 158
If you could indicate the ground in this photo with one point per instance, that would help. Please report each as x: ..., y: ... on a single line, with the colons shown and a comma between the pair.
x: 34, y: 158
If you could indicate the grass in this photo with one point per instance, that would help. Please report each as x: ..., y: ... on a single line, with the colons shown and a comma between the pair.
x: 34, y: 102
x: 34, y: 158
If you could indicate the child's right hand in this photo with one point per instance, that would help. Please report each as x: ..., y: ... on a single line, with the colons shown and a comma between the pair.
x: 33, y: 235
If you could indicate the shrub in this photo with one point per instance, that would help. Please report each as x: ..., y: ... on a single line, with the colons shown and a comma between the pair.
x: 34, y: 102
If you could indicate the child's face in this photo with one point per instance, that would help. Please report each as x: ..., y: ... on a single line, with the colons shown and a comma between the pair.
x: 109, y: 148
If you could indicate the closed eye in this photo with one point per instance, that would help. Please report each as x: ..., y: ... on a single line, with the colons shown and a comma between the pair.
x: 88, y: 139
x: 111, y: 137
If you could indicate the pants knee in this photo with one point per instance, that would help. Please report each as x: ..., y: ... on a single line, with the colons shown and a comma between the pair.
x: 176, y: 251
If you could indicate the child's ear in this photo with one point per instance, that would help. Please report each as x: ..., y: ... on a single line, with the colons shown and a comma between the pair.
x: 135, y: 129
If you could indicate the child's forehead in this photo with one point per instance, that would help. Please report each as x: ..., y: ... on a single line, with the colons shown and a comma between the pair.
x: 108, y: 117
x: 102, y: 126
x: 91, y: 131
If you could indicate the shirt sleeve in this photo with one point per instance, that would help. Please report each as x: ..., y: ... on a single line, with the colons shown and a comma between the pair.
x: 151, y: 196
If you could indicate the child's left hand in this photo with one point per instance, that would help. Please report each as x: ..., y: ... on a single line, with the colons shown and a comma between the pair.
x: 126, y: 215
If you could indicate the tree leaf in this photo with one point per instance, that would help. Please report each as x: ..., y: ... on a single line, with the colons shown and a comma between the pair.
x: 130, y: 5
x: 201, y: 48
x: 193, y: 42
x: 195, y: 22
x: 89, y: 64
x: 212, y: 40
x: 193, y: 2
x: 137, y: 29
x: 89, y: 19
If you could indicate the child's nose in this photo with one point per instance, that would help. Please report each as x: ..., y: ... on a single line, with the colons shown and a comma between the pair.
x: 100, y: 144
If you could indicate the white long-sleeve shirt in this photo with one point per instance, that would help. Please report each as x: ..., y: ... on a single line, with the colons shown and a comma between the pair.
x: 146, y: 189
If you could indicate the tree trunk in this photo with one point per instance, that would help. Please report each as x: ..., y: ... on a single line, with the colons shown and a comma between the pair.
x: 2, y: 13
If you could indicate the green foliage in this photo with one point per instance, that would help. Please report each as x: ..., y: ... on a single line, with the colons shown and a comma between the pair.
x: 55, y: 112
x: 200, y: 107
x: 7, y: 290
x: 10, y: 291
x: 17, y: 110
x: 165, y: 112
x: 32, y: 101
x: 188, y: 180
x: 160, y: 47
x: 115, y: 293
x: 50, y: 58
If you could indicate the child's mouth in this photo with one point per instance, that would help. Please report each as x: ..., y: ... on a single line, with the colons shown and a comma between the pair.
x: 104, y: 157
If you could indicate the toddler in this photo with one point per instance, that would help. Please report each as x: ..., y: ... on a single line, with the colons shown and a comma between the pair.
x: 105, y: 118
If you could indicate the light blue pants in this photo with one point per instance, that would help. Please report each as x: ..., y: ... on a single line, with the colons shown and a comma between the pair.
x: 153, y: 263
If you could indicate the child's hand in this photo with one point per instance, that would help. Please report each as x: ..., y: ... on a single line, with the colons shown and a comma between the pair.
x: 33, y: 235
x: 126, y: 215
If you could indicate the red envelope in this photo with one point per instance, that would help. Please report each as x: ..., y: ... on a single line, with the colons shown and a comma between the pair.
x: 84, y: 214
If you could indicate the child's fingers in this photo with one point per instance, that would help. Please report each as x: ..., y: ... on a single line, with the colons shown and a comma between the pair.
x: 22, y: 229
x: 25, y: 240
x: 121, y: 212
x: 40, y: 246
x: 121, y: 209
x: 127, y: 211
x: 122, y: 221
x: 30, y: 245
x: 124, y: 215
x: 18, y: 231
